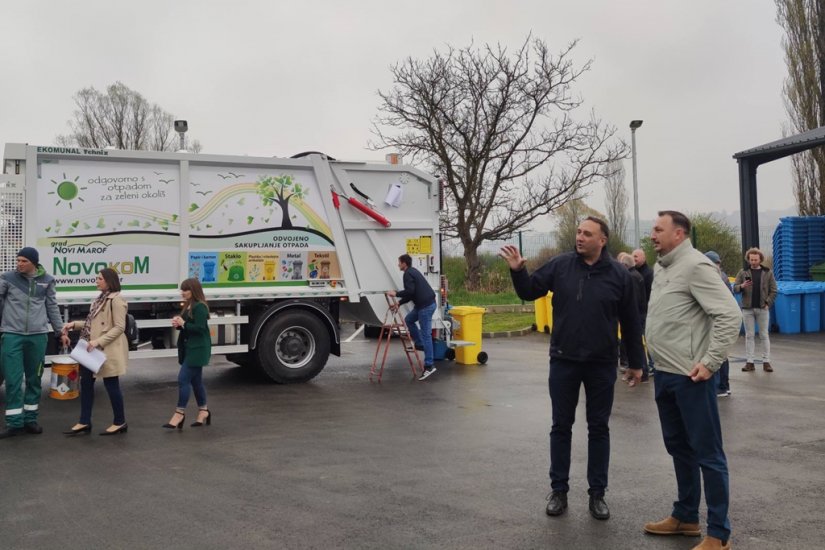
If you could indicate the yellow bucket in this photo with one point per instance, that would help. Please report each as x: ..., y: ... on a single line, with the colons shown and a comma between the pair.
x: 65, y: 378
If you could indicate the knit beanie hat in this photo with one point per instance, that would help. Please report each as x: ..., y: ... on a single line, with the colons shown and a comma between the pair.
x: 30, y: 254
x: 713, y: 256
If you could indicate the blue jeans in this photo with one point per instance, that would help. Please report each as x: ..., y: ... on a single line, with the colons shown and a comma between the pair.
x: 87, y: 397
x: 693, y: 437
x: 191, y: 376
x: 423, y: 336
x: 723, y: 377
x: 566, y: 378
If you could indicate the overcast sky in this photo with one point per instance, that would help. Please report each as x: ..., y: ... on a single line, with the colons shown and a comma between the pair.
x: 275, y: 78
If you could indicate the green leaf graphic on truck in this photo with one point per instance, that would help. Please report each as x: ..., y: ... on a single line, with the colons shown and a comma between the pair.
x: 280, y: 190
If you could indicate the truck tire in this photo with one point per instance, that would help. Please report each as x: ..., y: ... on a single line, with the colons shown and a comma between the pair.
x: 293, y: 347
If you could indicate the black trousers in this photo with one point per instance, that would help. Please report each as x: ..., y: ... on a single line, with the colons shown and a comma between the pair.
x: 566, y: 379
x: 87, y: 397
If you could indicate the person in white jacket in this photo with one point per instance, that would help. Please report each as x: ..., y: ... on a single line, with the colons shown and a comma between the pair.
x: 692, y: 321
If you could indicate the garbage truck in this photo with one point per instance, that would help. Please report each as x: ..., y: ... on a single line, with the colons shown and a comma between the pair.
x: 285, y: 248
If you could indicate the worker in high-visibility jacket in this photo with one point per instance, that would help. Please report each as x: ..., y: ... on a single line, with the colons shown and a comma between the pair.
x: 28, y: 302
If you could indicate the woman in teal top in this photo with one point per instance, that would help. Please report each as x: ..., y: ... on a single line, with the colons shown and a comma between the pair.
x: 194, y: 351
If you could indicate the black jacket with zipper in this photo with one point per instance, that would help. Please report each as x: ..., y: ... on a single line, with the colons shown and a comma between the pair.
x: 589, y: 302
x: 416, y: 289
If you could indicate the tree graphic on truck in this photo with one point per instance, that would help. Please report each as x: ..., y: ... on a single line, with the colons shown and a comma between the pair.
x: 280, y: 189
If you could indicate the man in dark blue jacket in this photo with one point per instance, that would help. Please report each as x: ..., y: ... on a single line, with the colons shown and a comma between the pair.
x: 592, y: 294
x: 418, y: 291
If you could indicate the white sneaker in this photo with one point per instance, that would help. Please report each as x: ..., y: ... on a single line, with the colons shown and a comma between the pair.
x: 427, y: 372
x: 723, y: 394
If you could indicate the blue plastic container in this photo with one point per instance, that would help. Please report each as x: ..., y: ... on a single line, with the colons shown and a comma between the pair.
x: 738, y: 297
x: 788, y: 308
x: 811, y: 307
x: 439, y: 349
x: 798, y: 242
x: 821, y: 306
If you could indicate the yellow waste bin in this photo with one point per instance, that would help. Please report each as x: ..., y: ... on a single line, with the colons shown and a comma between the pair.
x: 468, y: 333
x: 549, y: 300
x: 544, y: 313
x: 540, y: 306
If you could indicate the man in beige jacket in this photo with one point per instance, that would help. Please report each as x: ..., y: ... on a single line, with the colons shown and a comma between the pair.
x: 692, y: 321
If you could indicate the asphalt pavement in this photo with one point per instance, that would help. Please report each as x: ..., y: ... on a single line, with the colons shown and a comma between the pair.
x: 457, y: 461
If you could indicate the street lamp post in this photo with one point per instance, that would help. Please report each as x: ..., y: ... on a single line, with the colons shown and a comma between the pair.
x: 181, y: 126
x: 633, y: 125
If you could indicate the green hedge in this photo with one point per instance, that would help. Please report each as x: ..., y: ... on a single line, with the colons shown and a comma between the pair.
x: 496, y: 285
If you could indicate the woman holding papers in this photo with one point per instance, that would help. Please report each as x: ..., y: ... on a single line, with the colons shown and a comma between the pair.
x: 194, y: 351
x: 103, y: 329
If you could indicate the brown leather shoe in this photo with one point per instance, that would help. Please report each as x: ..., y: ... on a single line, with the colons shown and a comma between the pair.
x: 712, y: 543
x: 672, y: 526
x: 748, y: 367
x: 767, y: 367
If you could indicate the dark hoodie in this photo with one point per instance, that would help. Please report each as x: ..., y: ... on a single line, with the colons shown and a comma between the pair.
x: 589, y: 302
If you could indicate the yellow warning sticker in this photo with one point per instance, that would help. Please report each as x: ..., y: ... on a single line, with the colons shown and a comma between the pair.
x: 426, y: 244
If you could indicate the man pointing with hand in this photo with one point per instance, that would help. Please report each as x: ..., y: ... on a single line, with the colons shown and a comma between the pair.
x: 592, y: 294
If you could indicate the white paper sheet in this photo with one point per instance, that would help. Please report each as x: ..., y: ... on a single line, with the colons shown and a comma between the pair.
x: 92, y: 360
x: 395, y: 194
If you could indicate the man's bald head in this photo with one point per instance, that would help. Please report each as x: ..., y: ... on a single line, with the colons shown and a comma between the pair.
x: 639, y: 257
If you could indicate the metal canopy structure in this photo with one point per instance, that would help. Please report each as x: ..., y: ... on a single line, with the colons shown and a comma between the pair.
x: 750, y: 159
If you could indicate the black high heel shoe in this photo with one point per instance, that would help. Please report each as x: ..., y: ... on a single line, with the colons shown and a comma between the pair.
x: 179, y: 425
x: 87, y: 429
x: 207, y: 420
x: 122, y: 429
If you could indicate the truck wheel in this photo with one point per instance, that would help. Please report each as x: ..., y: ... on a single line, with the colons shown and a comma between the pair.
x: 293, y: 347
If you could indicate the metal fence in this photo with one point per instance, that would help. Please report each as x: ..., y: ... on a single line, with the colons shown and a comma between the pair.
x: 532, y: 243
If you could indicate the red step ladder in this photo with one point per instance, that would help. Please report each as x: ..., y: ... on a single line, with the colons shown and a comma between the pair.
x: 394, y: 325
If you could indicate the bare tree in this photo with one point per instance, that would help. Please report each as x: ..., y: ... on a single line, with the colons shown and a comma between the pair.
x: 804, y: 44
x: 568, y: 216
x: 615, y: 205
x: 122, y: 118
x: 499, y: 128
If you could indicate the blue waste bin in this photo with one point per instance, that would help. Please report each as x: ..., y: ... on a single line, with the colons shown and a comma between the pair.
x: 789, y: 308
x: 738, y: 297
x: 822, y: 306
x: 755, y: 324
x: 439, y: 349
x: 811, y: 307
